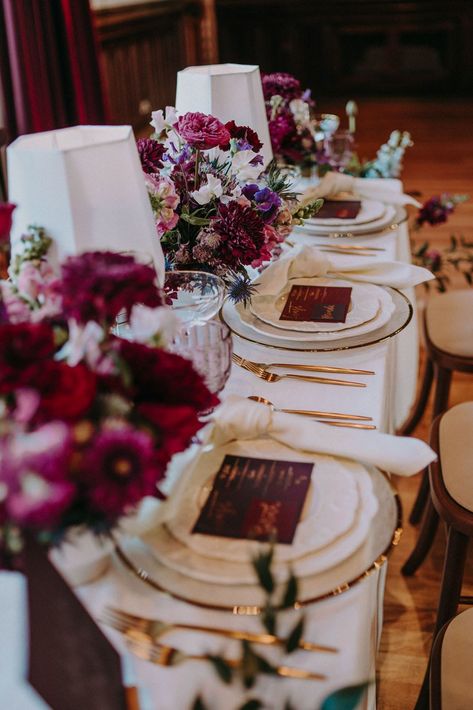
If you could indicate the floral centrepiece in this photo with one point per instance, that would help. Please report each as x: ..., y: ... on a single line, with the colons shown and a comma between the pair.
x: 214, y: 207
x: 288, y: 109
x: 88, y: 420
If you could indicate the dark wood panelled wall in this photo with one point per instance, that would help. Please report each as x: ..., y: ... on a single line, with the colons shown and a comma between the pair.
x: 339, y: 48
x: 144, y: 45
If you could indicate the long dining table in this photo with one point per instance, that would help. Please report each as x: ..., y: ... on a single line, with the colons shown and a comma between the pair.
x: 350, y: 617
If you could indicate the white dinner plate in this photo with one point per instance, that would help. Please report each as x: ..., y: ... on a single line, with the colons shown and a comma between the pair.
x: 370, y: 210
x: 377, y: 225
x: 258, y: 327
x: 364, y: 306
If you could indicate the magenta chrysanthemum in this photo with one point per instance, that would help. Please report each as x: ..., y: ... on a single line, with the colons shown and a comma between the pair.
x: 281, y: 83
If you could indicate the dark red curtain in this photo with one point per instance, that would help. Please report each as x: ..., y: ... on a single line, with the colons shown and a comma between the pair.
x: 50, y: 73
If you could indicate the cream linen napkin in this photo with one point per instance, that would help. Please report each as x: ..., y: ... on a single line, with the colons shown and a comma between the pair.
x: 240, y: 418
x: 307, y: 261
x: 333, y: 183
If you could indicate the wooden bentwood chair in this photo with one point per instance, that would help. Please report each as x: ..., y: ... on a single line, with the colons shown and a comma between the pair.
x: 450, y: 670
x: 451, y: 487
x: 449, y: 349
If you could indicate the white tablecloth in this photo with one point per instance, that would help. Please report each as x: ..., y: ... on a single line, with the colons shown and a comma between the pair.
x: 351, y: 621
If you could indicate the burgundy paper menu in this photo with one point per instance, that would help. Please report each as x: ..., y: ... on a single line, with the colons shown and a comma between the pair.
x: 320, y: 304
x: 339, y: 209
x: 255, y: 499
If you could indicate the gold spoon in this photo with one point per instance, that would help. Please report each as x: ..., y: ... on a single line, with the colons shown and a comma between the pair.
x: 314, y: 414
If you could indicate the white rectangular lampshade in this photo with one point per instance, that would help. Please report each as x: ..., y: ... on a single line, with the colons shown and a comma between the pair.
x: 85, y: 186
x: 228, y: 92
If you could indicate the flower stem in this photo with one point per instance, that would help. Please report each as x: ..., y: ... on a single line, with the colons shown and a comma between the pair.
x: 196, y: 175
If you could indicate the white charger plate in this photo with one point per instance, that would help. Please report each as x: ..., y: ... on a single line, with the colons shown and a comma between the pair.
x: 364, y: 306
x: 226, y: 569
x: 370, y: 210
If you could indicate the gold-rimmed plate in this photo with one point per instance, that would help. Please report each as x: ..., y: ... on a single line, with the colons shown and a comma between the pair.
x: 395, y: 215
x: 386, y: 530
x: 400, y: 319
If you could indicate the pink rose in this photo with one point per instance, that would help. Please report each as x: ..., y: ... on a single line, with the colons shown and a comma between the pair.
x: 202, y: 131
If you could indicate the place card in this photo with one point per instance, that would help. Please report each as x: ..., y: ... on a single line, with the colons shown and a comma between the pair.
x: 255, y: 499
x: 72, y: 665
x: 320, y: 304
x: 339, y: 209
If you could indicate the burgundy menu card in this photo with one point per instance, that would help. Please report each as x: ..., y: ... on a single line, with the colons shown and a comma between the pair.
x: 255, y: 499
x: 72, y: 665
x: 339, y: 209
x: 320, y: 304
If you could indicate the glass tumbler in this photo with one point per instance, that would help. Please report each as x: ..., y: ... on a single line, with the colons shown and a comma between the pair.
x: 339, y: 148
x: 209, y: 347
x: 193, y: 295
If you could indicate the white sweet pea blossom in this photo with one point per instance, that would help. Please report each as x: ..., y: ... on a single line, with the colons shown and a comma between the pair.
x: 300, y: 111
x: 83, y: 344
x: 153, y: 324
x: 241, y: 165
x: 212, y: 188
x: 161, y: 122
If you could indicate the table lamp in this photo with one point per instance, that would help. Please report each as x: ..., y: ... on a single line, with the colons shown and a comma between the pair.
x: 228, y: 92
x: 85, y: 186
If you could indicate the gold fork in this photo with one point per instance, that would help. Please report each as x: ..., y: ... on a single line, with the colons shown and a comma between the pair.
x: 168, y: 656
x: 295, y: 366
x: 153, y: 629
x: 272, y: 377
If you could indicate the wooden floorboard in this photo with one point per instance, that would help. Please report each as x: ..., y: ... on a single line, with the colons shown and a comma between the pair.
x: 440, y: 161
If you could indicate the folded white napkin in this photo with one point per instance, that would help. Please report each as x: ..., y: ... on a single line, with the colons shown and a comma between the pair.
x: 307, y: 261
x: 333, y: 183
x: 240, y: 418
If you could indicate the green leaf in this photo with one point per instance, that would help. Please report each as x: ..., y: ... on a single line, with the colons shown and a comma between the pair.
x: 199, y: 704
x: 196, y: 221
x: 222, y: 668
x: 262, y: 565
x: 292, y: 641
x: 290, y: 593
x: 345, y: 698
x: 251, y: 704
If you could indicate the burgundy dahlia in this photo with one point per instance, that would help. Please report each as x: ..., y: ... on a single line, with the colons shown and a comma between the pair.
x: 242, y: 232
x: 202, y: 131
x: 65, y: 392
x: 246, y: 138
x: 119, y: 468
x: 161, y: 377
x: 151, y: 153
x: 281, y: 129
x: 21, y: 345
x: 98, y: 285
x: 282, y: 84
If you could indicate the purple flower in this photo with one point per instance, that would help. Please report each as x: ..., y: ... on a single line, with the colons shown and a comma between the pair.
x: 435, y: 210
x: 120, y: 468
x: 151, y: 153
x: 281, y: 128
x: 242, y: 231
x: 35, y: 471
x: 267, y: 201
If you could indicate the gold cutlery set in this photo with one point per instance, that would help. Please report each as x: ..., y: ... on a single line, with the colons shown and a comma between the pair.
x: 262, y: 370
x: 143, y: 640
